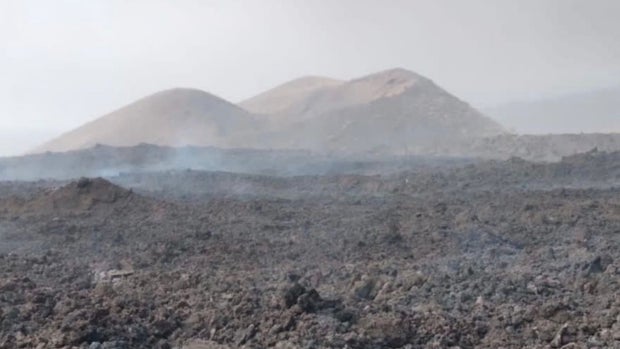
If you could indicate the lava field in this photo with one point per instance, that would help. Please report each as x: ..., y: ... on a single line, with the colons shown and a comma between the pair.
x: 493, y: 254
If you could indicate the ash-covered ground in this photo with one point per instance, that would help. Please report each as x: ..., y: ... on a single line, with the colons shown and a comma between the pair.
x: 494, y: 254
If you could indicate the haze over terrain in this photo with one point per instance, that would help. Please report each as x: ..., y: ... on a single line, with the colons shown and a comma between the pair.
x: 66, y: 63
x: 585, y: 112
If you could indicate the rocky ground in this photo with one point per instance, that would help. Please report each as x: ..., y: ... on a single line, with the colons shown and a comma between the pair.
x: 501, y: 254
x: 108, y: 161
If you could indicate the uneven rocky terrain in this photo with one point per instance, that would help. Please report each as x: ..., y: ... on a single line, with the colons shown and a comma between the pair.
x: 494, y: 254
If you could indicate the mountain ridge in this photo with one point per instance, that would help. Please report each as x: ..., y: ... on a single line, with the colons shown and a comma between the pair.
x: 391, y: 109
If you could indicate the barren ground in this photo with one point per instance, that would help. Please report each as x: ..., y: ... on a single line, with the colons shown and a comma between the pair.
x: 502, y: 254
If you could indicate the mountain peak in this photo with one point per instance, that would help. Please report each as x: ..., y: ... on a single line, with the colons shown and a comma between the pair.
x: 395, y: 76
x: 182, y: 90
x: 184, y: 94
x: 311, y: 81
x: 396, y: 72
x: 311, y: 95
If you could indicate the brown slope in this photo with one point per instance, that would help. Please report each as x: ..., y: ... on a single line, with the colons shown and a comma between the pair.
x: 309, y: 97
x: 282, y: 99
x: 172, y: 118
x: 422, y: 119
x: 80, y: 196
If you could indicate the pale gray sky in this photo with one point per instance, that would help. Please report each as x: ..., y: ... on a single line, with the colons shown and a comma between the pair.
x: 65, y: 62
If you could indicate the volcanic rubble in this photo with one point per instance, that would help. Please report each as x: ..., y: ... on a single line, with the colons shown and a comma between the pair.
x: 411, y: 260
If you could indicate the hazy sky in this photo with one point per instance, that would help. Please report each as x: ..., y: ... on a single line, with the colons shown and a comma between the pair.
x: 65, y: 62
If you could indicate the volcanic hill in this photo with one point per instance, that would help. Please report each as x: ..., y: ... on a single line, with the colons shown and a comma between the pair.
x: 395, y: 111
x: 173, y: 117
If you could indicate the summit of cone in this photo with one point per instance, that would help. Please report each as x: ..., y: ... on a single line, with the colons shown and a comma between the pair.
x: 306, y: 97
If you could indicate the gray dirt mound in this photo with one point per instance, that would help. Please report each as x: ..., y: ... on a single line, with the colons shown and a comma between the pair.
x: 82, y: 195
